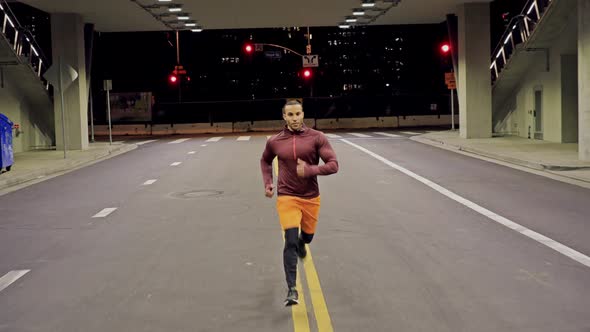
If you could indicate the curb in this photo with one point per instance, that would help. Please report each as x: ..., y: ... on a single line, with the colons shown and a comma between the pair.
x: 536, y: 166
x: 69, y: 166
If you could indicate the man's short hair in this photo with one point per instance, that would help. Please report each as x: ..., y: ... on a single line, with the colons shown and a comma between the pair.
x: 291, y: 102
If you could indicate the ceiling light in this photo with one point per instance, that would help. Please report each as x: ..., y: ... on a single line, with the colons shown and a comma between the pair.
x: 197, y: 30
x: 368, y: 3
x: 183, y: 17
x: 190, y: 24
x: 358, y: 12
x: 351, y: 19
x: 175, y: 9
x: 344, y: 26
x: 164, y: 0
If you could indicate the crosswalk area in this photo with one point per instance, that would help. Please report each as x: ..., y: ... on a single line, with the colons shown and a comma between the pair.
x: 332, y: 135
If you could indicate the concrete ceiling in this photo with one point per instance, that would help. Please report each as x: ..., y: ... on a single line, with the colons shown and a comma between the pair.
x: 125, y: 15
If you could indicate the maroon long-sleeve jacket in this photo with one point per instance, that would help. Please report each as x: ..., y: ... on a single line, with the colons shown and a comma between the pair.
x: 308, y: 145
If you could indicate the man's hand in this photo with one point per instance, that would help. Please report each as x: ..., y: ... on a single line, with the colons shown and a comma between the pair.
x: 301, y: 168
x: 269, y: 190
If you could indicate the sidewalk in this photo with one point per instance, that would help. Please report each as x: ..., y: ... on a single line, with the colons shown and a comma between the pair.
x: 555, y: 158
x: 33, y: 166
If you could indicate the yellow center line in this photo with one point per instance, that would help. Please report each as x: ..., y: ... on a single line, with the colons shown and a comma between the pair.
x: 299, y: 311
x: 320, y: 308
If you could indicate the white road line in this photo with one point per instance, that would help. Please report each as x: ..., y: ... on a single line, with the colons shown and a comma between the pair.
x: 410, y: 133
x: 146, y: 142
x: 243, y: 138
x: 192, y: 152
x: 360, y: 135
x: 176, y: 163
x: 214, y: 139
x: 11, y: 277
x: 567, y: 251
x: 178, y: 141
x: 333, y: 136
x: 104, y: 213
x: 149, y: 182
x: 387, y: 134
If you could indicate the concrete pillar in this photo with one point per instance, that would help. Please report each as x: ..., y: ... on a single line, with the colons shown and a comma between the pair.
x: 569, y: 98
x: 67, y: 36
x: 474, y: 81
x: 584, y: 79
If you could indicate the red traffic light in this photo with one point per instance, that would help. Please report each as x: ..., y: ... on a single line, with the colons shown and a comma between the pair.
x: 248, y: 48
x: 172, y: 78
x: 307, y: 73
x: 445, y: 48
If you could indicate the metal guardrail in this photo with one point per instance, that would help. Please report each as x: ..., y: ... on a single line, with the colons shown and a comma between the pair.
x: 23, y: 43
x: 520, y: 29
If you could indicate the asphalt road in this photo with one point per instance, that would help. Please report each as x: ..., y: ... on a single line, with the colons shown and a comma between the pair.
x: 410, y: 238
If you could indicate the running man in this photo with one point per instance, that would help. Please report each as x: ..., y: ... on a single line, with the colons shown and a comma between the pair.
x: 299, y: 150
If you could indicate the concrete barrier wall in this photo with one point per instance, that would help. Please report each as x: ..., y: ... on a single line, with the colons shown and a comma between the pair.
x: 357, y: 123
x: 427, y: 120
x: 276, y: 125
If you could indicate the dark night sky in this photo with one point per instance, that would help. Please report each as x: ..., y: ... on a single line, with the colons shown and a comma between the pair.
x: 143, y: 61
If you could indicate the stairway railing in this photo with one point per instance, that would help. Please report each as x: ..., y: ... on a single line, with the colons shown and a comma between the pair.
x: 23, y: 44
x: 519, y: 30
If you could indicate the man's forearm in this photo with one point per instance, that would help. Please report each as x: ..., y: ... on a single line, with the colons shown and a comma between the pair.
x: 266, y: 169
x: 328, y: 168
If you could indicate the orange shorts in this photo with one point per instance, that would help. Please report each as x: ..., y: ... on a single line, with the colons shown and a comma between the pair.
x: 295, y: 212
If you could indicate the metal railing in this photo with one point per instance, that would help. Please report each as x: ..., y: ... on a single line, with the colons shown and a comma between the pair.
x: 519, y: 30
x: 22, y: 42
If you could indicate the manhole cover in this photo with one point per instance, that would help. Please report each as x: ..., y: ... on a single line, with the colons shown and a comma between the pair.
x: 198, y: 194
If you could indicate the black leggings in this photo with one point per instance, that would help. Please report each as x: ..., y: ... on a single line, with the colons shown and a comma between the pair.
x: 292, y: 240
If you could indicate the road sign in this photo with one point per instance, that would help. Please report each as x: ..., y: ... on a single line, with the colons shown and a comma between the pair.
x: 179, y: 70
x: 107, y: 85
x: 311, y: 60
x: 68, y: 75
x: 449, y: 77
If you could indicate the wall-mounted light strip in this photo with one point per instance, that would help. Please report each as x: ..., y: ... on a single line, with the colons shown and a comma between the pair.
x: 9, y: 21
x: 532, y: 7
